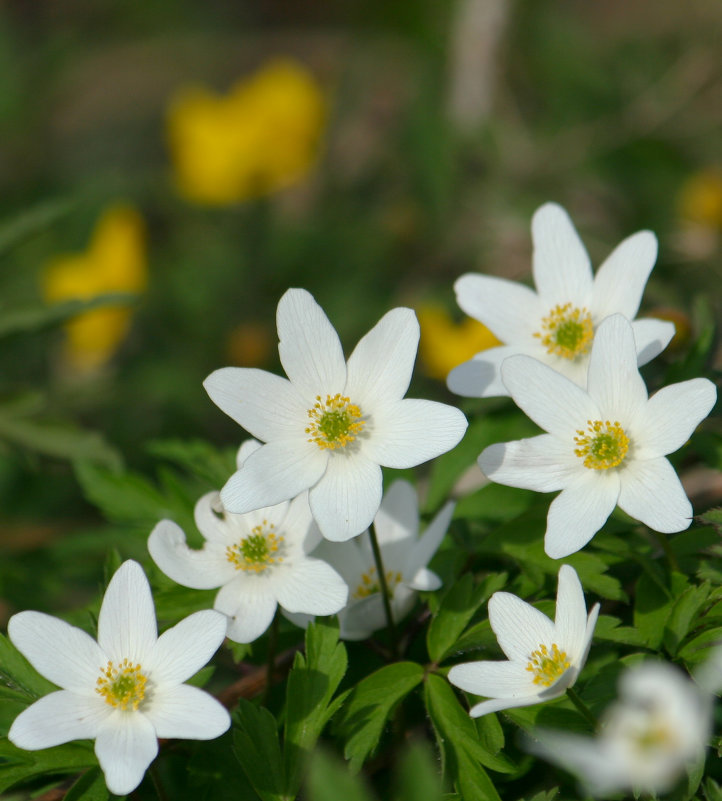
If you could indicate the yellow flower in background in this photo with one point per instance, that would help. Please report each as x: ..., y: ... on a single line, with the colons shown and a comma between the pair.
x: 115, y: 261
x: 260, y: 137
x: 445, y: 344
x: 700, y: 199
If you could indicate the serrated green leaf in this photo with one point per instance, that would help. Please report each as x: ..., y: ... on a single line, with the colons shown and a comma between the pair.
x: 369, y: 706
x: 697, y: 649
x: 329, y: 780
x: 712, y: 517
x: 311, y: 685
x: 610, y: 629
x: 682, y: 614
x: 89, y: 787
x: 457, y: 607
x: 22, y: 765
x: 256, y: 745
x: 653, y: 605
x: 18, y: 673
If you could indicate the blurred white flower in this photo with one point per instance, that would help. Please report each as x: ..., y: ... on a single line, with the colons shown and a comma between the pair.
x: 659, y: 725
x: 545, y: 658
x: 404, y: 554
x: 332, y: 424
x: 125, y: 690
x: 606, y: 445
x: 259, y: 560
x: 556, y: 324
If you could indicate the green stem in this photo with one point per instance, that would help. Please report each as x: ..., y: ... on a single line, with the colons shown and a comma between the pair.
x: 384, y: 592
x: 271, y: 657
x: 667, y: 548
x: 582, y: 707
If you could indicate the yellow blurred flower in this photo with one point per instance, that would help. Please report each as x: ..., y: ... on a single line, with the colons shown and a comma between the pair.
x: 700, y: 199
x: 114, y: 262
x: 259, y: 138
x: 445, y: 344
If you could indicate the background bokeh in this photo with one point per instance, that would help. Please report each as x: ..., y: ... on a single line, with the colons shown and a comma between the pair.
x: 436, y: 131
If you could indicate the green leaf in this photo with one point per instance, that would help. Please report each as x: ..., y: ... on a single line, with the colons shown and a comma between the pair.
x: 329, y: 780
x: 31, y: 221
x: 459, y: 739
x: 89, y: 787
x: 457, y: 607
x: 370, y: 705
x: 713, y: 517
x: 198, y: 457
x: 683, y: 613
x: 311, y: 685
x: 697, y: 649
x: 610, y: 629
x: 653, y: 604
x: 19, y: 765
x: 255, y: 740
x: 17, y: 672
x: 416, y: 779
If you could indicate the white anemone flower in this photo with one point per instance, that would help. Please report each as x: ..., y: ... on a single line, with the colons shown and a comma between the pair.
x: 125, y: 690
x: 605, y: 445
x: 259, y: 560
x: 545, y: 658
x: 557, y: 323
x: 404, y: 554
x: 332, y: 424
x: 659, y: 726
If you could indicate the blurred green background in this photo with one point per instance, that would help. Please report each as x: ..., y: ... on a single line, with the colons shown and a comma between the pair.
x: 443, y: 126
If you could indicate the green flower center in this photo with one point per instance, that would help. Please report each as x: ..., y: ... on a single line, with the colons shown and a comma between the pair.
x: 123, y: 685
x: 258, y: 551
x: 566, y: 331
x: 547, y: 666
x: 603, y: 445
x: 334, y: 422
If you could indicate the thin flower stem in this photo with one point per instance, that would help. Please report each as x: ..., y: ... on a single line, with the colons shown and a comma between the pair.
x: 271, y: 657
x: 384, y: 593
x: 667, y: 548
x: 582, y: 707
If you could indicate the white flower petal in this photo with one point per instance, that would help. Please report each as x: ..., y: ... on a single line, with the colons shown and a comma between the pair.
x: 299, y: 527
x: 380, y: 367
x: 613, y: 380
x: 362, y: 618
x: 274, y: 473
x: 494, y: 679
x: 126, y: 624
x: 184, y: 649
x: 345, y: 557
x: 552, y: 401
x: 510, y: 310
x: 579, y: 511
x: 202, y: 569
x: 312, y: 586
x: 411, y: 431
x: 670, y: 417
x: 571, y: 613
x: 651, y: 338
x: 247, y: 447
x: 59, y: 718
x: 309, y: 347
x: 421, y: 553
x: 542, y: 464
x: 249, y: 613
x: 62, y: 653
x: 562, y: 270
x: 348, y: 496
x: 480, y: 377
x: 397, y: 520
x: 583, y: 652
x: 266, y: 405
x: 620, y: 281
x: 424, y: 580
x: 519, y: 627
x: 187, y: 713
x: 652, y: 493
x: 499, y: 704
x: 208, y: 519
x: 125, y: 747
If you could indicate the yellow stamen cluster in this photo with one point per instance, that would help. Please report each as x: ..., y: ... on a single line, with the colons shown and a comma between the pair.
x: 370, y: 583
x: 258, y: 551
x: 547, y: 666
x: 567, y: 331
x: 122, y: 686
x: 603, y: 445
x: 334, y: 422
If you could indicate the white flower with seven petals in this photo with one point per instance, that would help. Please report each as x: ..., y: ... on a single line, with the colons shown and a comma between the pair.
x: 332, y: 424
x: 545, y: 658
x: 404, y: 554
x: 557, y: 323
x: 605, y: 445
x: 659, y: 726
x: 259, y: 560
x: 125, y: 690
